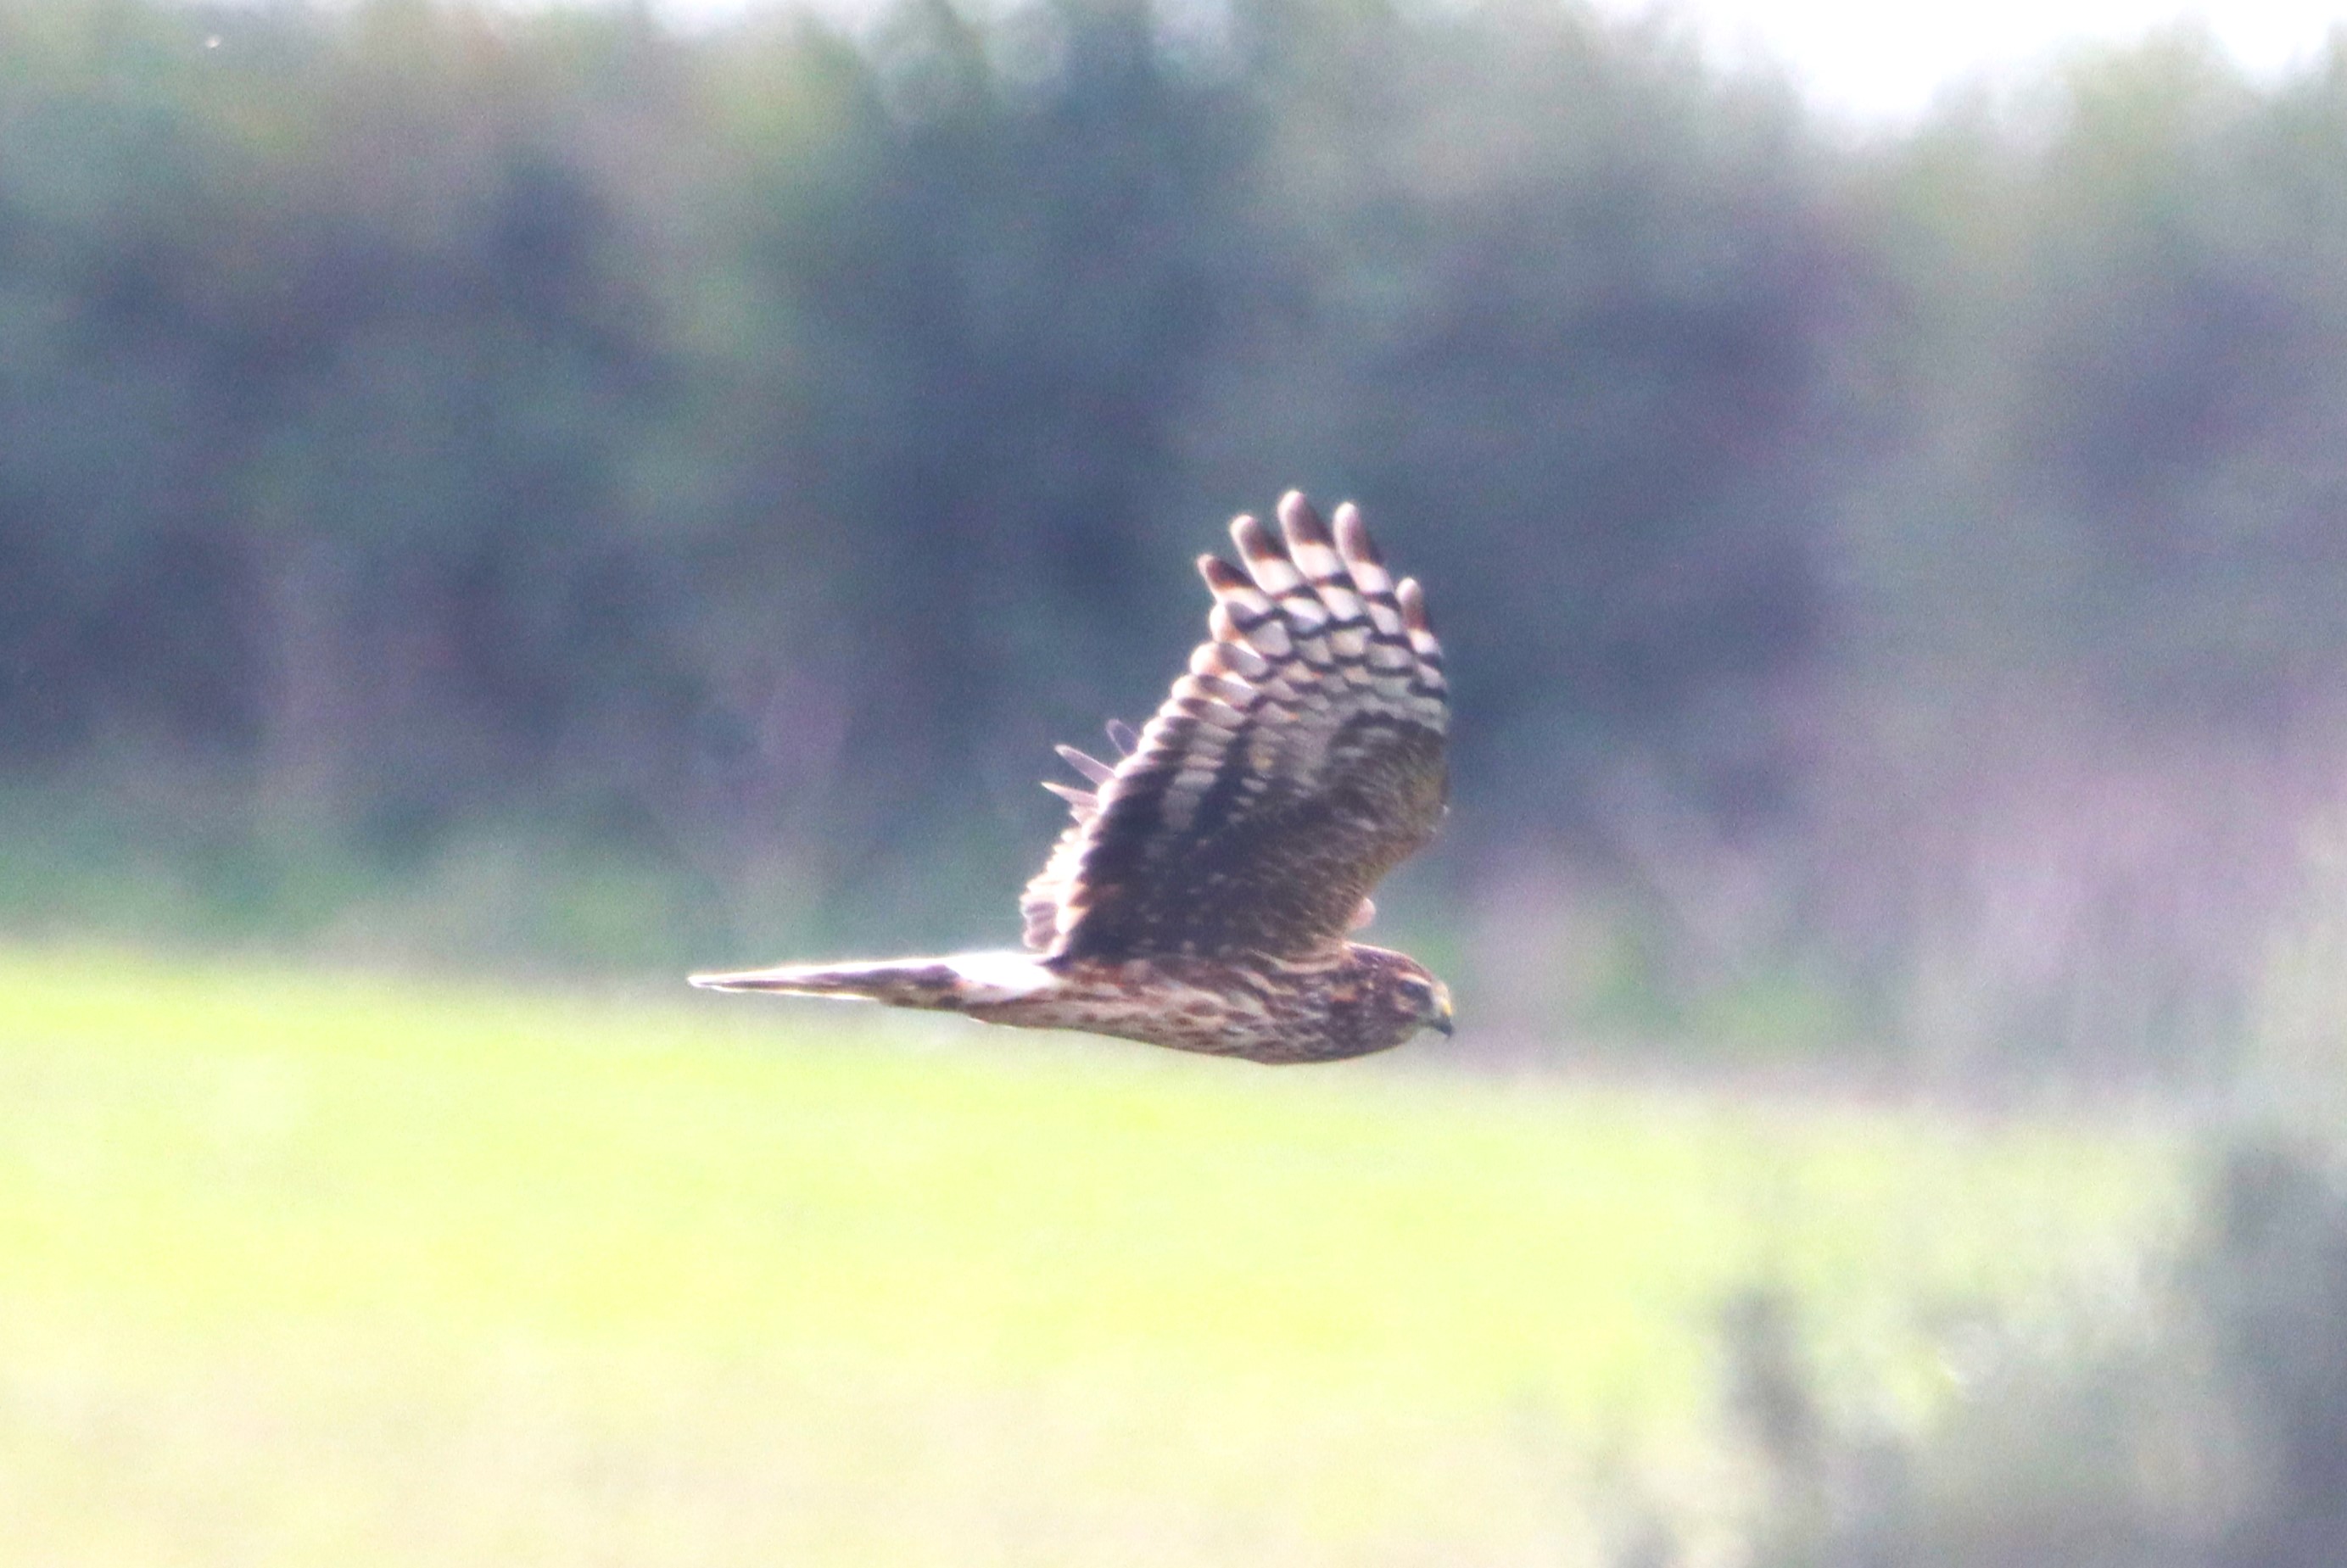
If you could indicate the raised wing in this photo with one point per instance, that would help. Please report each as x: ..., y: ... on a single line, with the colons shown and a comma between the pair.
x: 1295, y: 764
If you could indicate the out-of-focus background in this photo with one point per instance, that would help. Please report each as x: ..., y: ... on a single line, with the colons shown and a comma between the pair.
x: 500, y: 507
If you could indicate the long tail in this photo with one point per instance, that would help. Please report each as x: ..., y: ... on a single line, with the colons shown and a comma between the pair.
x: 952, y: 984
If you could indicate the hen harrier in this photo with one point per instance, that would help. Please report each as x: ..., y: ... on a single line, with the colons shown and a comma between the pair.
x: 1202, y: 896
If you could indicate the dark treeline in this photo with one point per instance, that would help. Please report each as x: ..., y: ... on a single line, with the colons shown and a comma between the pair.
x: 480, y: 485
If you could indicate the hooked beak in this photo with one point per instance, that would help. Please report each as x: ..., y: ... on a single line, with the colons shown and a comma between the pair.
x: 1441, y: 1019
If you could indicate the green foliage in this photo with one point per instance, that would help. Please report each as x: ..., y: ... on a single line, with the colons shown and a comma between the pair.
x: 428, y: 413
x: 2125, y: 385
x: 2186, y: 1406
x: 423, y: 426
x: 2191, y: 1417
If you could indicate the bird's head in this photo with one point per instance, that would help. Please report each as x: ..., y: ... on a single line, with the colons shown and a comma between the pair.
x: 1404, y: 991
x: 1427, y: 998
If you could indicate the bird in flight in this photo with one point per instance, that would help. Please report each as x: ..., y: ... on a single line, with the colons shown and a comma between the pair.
x: 1203, y: 897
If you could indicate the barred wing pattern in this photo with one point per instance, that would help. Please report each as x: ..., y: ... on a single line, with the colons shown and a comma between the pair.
x: 1297, y: 761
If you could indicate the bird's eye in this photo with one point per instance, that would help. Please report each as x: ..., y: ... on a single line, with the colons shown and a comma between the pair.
x: 1417, y: 991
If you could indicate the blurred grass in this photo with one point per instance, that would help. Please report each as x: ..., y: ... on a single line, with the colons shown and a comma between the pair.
x: 297, y: 1268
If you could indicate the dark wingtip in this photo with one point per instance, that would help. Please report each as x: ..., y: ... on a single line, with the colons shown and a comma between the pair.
x: 1221, y: 575
x: 1255, y: 540
x: 1300, y: 522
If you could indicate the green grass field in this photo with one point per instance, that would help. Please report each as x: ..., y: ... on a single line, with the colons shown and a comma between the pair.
x: 319, y: 1270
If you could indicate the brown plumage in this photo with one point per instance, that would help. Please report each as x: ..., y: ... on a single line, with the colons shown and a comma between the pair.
x: 1200, y: 898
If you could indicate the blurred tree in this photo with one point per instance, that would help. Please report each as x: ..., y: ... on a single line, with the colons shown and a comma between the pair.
x: 737, y: 455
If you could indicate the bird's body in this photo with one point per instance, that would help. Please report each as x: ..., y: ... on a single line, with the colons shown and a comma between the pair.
x: 1282, y: 1010
x: 1201, y: 897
